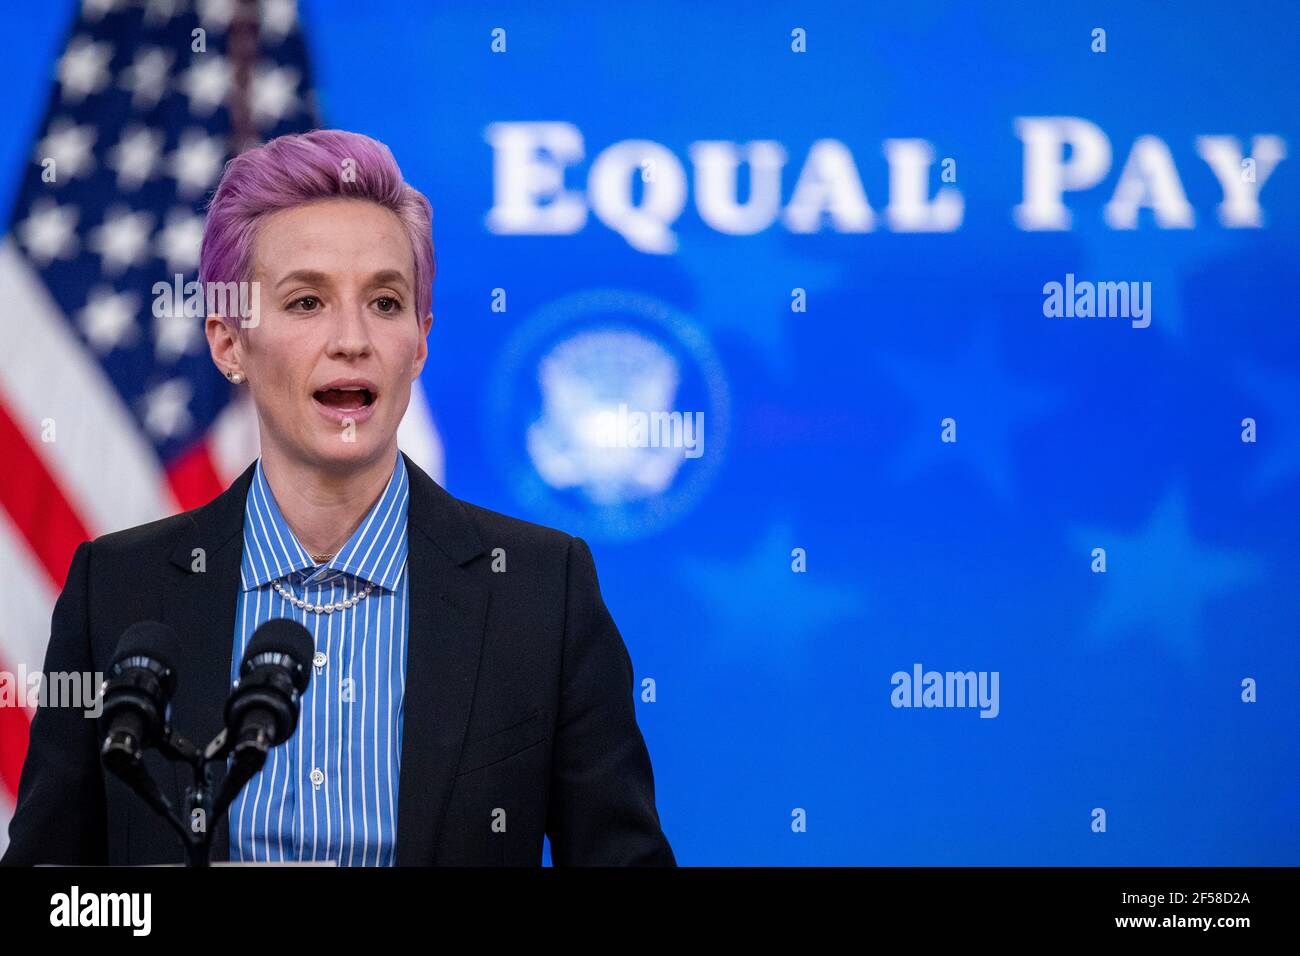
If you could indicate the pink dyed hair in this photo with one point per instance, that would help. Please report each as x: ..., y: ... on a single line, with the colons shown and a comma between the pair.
x: 300, y: 168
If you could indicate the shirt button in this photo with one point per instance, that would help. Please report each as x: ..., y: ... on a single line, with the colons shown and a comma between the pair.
x: 320, y: 659
x: 317, y: 776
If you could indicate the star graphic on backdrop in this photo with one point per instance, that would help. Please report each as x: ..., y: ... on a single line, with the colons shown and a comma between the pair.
x: 757, y: 601
x: 1158, y: 579
x: 1163, y: 257
x: 1277, y: 433
x: 988, y: 404
x: 743, y: 284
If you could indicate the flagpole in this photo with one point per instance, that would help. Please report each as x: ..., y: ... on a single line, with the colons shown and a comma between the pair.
x: 243, y: 40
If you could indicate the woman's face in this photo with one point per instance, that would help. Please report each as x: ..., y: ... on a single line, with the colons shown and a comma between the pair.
x: 337, y: 308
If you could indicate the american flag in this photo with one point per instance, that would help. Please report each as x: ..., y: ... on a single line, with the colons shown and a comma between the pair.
x: 109, y: 415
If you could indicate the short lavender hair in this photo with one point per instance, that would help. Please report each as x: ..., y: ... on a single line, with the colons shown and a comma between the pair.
x: 300, y: 168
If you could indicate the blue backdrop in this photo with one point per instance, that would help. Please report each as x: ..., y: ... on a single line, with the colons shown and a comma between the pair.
x: 836, y: 339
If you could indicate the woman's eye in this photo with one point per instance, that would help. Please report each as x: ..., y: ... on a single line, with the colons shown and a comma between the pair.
x: 311, y: 299
x: 393, y: 304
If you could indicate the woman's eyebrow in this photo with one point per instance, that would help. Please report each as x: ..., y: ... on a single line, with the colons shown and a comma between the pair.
x: 310, y: 276
x: 313, y: 277
x: 388, y: 277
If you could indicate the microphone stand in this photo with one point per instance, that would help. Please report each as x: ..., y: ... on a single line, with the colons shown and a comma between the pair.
x: 122, y: 755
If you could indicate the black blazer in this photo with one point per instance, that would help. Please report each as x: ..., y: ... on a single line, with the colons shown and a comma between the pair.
x: 519, y: 694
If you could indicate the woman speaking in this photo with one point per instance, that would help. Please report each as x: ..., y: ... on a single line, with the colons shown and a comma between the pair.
x: 469, y: 691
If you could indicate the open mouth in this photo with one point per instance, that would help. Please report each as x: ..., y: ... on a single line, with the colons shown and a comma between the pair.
x: 345, y: 399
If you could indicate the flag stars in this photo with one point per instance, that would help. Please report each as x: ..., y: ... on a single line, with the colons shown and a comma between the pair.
x: 206, y: 83
x: 94, y: 10
x: 165, y: 410
x: 146, y: 77
x: 179, y: 241
x: 49, y: 232
x: 216, y: 14
x: 274, y: 94
x: 158, y: 12
x: 135, y: 157
x: 108, y: 319
x: 196, y: 162
x: 123, y: 239
x: 70, y: 146
x: 176, y: 334
x: 278, y: 18
x: 83, y: 68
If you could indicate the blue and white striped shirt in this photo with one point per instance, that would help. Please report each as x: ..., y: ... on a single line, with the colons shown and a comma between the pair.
x: 330, y: 792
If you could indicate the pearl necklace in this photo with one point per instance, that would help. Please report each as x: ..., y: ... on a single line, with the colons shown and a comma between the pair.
x: 323, y: 608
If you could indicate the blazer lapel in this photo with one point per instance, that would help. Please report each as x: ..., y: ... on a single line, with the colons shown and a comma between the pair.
x: 200, y: 604
x: 448, y: 612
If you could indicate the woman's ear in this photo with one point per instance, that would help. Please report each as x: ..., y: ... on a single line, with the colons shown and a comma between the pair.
x: 222, y: 343
x: 422, y: 353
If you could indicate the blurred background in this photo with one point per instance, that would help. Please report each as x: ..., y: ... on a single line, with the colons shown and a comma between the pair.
x: 828, y: 233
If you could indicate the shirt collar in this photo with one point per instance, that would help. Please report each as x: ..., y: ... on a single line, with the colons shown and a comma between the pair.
x: 376, y: 552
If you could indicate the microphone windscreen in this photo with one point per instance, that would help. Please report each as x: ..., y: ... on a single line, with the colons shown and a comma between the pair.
x: 149, y: 639
x: 284, y: 636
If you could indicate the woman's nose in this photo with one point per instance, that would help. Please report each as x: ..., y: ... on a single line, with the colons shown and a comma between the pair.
x: 350, y: 333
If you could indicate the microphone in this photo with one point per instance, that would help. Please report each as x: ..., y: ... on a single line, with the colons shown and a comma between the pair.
x: 136, y: 707
x: 137, y: 693
x: 262, y: 711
